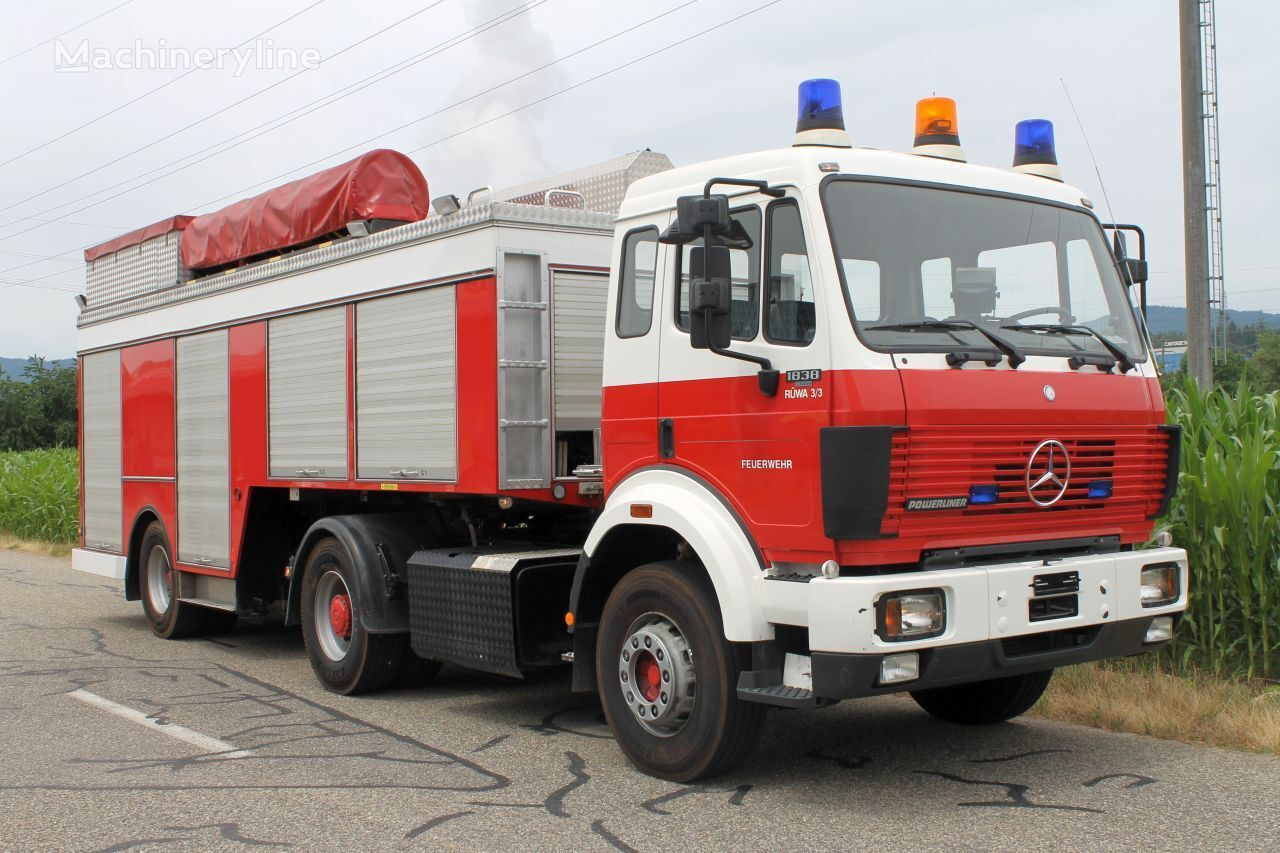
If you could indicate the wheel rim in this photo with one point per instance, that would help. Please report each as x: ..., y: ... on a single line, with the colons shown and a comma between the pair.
x: 159, y: 579
x: 656, y: 674
x: 332, y: 616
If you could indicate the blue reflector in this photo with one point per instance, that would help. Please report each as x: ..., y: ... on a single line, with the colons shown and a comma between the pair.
x: 1100, y: 489
x: 1033, y: 142
x: 984, y: 494
x: 820, y: 106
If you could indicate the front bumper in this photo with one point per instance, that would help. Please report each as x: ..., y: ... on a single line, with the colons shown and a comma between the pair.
x: 990, y: 627
x: 848, y: 676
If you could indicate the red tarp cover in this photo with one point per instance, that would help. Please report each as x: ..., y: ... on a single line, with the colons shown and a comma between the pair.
x: 133, y: 238
x: 381, y: 184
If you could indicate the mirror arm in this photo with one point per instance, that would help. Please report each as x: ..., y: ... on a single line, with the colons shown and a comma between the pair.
x: 762, y: 186
x: 767, y: 377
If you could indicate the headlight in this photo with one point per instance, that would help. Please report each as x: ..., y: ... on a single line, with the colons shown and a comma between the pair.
x: 1160, y: 584
x: 913, y: 615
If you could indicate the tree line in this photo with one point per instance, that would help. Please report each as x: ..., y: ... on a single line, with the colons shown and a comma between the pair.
x: 40, y: 411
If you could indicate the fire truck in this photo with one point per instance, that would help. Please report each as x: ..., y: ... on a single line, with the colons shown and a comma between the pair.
x: 773, y: 430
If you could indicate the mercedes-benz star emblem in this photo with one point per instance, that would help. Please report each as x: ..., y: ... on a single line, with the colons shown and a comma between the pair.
x: 1048, y: 472
x: 1049, y: 393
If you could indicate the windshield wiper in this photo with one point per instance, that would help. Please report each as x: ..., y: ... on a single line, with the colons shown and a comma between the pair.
x: 955, y: 359
x: 1122, y: 358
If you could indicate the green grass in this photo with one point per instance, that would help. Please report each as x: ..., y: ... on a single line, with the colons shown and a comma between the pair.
x: 1225, y: 515
x: 38, y: 495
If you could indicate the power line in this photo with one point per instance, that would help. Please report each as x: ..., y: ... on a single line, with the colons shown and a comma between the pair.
x: 359, y: 144
x: 273, y: 124
x: 64, y: 32
x: 505, y: 83
x: 164, y: 85
x: 543, y: 99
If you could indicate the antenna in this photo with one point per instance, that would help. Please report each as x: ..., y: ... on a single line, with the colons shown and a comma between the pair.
x: 1101, y: 184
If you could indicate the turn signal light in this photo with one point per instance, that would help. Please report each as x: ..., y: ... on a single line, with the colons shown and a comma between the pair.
x: 913, y: 615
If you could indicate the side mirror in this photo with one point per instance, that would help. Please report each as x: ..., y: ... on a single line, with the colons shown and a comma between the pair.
x: 1135, y: 270
x: 710, y: 321
x: 694, y: 213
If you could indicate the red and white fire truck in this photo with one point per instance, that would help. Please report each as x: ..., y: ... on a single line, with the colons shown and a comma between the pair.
x: 782, y: 429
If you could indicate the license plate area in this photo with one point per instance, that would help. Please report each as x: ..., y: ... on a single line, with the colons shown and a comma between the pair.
x: 1054, y: 596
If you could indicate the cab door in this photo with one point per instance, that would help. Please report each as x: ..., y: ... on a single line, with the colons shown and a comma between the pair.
x: 760, y: 452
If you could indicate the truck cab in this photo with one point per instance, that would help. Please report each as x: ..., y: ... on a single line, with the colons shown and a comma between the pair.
x: 927, y: 452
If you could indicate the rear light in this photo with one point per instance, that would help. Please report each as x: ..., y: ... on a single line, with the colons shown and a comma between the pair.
x: 913, y: 615
x: 1160, y: 584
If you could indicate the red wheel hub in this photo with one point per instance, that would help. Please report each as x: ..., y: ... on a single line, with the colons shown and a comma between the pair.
x: 340, y: 615
x: 648, y: 677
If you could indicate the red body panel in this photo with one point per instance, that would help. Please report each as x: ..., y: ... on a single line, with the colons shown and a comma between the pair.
x: 146, y: 404
x: 962, y: 428
x: 148, y: 454
x: 247, y: 376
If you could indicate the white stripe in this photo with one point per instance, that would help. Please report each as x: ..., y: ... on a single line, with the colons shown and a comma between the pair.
x: 182, y: 733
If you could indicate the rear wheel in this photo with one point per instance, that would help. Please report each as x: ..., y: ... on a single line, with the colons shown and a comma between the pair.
x: 166, y: 615
x: 668, y: 677
x: 985, y: 702
x: 345, y: 657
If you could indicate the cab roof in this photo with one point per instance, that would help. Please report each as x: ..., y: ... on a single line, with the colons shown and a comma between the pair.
x: 798, y: 166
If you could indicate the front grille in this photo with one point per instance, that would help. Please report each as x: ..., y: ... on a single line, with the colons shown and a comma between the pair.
x: 936, y: 462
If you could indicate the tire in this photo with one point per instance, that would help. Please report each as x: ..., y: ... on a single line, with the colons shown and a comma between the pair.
x: 985, y: 702
x: 701, y: 728
x: 167, y: 617
x: 345, y: 657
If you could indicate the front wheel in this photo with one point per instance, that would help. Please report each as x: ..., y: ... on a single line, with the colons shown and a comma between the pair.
x: 985, y: 702
x: 668, y: 677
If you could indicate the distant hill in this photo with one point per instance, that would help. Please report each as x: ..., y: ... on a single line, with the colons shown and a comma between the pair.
x: 1167, y: 319
x: 12, y: 367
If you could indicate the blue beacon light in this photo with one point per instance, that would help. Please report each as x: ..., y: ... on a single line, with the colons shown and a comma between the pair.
x: 1033, y: 150
x: 820, y: 114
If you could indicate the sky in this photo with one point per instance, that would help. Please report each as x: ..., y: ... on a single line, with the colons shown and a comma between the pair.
x: 87, y: 155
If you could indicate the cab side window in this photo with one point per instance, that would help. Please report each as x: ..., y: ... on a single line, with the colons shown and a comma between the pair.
x: 635, y: 283
x: 745, y: 266
x: 789, y: 316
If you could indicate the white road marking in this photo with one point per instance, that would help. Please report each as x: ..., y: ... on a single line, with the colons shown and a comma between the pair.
x: 173, y: 730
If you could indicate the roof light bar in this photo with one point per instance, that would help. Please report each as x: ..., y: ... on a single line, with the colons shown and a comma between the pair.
x: 1033, y: 149
x: 820, y: 115
x: 937, y: 129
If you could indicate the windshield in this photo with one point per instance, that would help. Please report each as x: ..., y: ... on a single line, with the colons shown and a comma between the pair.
x: 913, y: 258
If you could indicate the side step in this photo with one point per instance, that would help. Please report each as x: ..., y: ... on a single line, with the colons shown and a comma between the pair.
x: 766, y: 687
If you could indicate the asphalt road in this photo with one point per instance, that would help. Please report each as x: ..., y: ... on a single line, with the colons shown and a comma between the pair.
x: 112, y: 739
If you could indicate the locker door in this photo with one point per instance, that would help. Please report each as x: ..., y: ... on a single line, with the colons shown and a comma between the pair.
x: 578, y: 309
x: 102, y: 485
x: 307, y: 374
x: 204, y: 477
x: 406, y: 387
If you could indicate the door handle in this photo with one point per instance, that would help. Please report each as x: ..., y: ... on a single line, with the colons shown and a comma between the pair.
x: 667, y: 438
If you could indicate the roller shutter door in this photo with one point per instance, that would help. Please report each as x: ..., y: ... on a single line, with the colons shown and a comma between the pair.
x: 102, y: 489
x: 406, y: 387
x: 307, y: 370
x: 578, y: 309
x: 204, y: 525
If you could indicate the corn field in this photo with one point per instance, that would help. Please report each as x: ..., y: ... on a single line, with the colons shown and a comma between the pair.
x: 38, y: 495
x: 1226, y: 517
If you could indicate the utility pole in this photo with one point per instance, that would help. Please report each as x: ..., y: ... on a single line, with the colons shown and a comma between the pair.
x: 1196, y: 238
